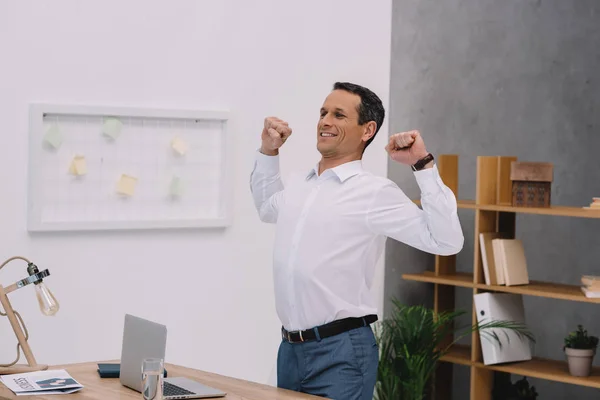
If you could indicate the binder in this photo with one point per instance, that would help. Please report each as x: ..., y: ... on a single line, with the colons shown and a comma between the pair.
x: 502, y: 307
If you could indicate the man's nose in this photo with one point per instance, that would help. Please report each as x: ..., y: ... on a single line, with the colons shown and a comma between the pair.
x: 327, y: 120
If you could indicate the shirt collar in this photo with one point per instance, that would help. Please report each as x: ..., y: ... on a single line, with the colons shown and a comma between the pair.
x: 343, y: 172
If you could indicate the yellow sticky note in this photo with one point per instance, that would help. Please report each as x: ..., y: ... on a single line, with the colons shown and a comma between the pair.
x: 179, y: 145
x: 126, y: 185
x: 176, y: 188
x: 78, y: 166
x: 112, y: 127
x: 53, y: 137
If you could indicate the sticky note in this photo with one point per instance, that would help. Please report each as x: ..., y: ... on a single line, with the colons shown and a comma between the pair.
x: 126, y: 185
x: 176, y: 187
x: 112, y: 127
x: 53, y: 137
x: 179, y: 146
x: 78, y: 165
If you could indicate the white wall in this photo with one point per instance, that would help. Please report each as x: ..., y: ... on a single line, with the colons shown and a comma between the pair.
x: 256, y: 58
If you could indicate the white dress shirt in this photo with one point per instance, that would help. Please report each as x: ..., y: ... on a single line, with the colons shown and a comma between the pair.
x: 331, y: 230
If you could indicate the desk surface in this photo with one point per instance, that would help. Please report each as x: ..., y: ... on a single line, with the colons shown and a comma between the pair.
x: 96, y: 388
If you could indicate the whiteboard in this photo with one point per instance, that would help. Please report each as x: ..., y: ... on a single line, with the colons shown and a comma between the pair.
x: 106, y: 168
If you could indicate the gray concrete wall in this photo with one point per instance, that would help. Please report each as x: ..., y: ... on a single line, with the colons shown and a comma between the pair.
x: 506, y: 77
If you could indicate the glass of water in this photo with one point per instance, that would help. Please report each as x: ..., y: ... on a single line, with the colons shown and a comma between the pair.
x: 152, y: 378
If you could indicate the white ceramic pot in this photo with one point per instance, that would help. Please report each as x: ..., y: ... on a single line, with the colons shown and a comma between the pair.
x: 580, y: 361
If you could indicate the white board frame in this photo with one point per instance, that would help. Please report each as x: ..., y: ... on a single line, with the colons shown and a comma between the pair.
x: 37, y: 112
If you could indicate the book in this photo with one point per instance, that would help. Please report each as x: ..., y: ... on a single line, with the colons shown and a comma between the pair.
x: 590, y: 293
x: 591, y: 282
x: 41, y: 383
x: 499, y: 261
x: 492, y: 274
x: 515, y: 269
x: 594, y: 205
x: 509, y: 256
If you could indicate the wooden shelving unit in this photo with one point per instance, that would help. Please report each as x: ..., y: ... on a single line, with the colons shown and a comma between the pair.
x: 494, y: 213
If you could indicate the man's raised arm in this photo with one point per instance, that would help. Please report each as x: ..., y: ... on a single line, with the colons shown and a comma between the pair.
x: 265, y: 180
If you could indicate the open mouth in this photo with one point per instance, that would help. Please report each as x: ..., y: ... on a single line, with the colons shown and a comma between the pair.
x: 327, y: 134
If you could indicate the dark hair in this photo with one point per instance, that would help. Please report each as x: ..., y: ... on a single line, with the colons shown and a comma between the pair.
x: 370, y: 107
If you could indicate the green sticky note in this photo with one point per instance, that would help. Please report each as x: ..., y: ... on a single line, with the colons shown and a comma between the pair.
x: 53, y: 137
x: 112, y: 127
x: 176, y: 187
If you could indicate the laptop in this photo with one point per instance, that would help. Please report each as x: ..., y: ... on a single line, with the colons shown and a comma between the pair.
x: 146, y: 339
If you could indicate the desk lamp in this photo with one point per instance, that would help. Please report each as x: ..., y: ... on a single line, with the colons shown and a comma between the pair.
x: 48, y: 306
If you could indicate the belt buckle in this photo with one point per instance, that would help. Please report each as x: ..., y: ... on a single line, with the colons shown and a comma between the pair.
x: 289, y: 336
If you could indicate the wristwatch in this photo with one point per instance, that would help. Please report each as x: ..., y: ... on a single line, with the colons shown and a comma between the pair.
x: 419, y: 165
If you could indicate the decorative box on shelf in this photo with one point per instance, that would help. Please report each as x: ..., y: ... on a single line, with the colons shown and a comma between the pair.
x: 531, y: 183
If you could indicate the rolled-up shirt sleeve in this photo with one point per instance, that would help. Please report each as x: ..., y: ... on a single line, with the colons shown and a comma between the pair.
x: 434, y: 229
x: 266, y: 186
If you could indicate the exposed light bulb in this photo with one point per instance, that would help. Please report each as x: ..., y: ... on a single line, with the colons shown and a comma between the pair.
x: 48, y: 304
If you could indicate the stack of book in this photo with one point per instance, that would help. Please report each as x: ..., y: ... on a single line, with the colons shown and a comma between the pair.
x: 595, y: 204
x: 590, y: 286
x: 504, y: 261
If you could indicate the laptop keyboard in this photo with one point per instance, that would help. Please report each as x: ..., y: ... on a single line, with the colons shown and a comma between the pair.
x: 172, y: 390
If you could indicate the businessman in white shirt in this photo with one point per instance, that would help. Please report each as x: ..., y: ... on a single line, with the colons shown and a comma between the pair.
x: 331, y: 225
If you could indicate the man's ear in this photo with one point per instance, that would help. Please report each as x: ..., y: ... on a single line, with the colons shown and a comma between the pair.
x: 369, y: 131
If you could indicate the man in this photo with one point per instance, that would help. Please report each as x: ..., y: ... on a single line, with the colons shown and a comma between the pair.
x: 332, y: 223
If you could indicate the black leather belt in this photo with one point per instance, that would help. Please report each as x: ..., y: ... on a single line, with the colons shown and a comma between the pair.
x: 327, y: 330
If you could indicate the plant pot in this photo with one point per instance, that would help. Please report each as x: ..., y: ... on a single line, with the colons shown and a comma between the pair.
x: 580, y: 361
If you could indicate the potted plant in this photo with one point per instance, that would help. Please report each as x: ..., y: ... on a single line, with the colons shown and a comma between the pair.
x: 522, y: 391
x: 507, y: 390
x: 580, y: 350
x: 412, y: 340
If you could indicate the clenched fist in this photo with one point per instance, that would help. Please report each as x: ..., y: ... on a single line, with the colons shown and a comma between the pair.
x: 406, y: 147
x: 274, y: 135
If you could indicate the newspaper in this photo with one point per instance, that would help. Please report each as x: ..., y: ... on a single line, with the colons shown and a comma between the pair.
x: 41, y: 382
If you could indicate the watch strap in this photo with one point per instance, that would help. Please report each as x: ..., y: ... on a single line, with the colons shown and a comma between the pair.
x: 419, y: 165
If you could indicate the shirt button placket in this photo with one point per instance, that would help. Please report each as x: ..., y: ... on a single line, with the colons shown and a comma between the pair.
x: 293, y: 256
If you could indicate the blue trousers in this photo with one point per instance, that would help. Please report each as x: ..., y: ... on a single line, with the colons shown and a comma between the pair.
x: 340, y: 367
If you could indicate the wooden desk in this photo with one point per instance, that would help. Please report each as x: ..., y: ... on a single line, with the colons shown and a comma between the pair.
x: 96, y: 388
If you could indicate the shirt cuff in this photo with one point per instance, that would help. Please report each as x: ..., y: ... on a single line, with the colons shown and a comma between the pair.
x: 265, y: 163
x: 429, y: 180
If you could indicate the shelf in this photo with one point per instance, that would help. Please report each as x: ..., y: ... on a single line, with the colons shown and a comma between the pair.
x: 534, y: 288
x: 458, y: 279
x: 562, y: 211
x: 552, y: 370
x: 542, y: 368
x: 458, y: 354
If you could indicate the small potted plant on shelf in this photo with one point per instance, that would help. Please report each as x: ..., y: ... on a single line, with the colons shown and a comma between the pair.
x: 505, y: 389
x: 580, y: 350
x: 521, y: 390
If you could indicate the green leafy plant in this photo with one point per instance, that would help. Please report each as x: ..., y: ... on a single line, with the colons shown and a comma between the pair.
x: 579, y: 339
x: 413, y: 340
x: 522, y: 390
x: 519, y: 390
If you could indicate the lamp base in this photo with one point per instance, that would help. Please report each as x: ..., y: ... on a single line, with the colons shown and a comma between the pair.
x: 22, y: 368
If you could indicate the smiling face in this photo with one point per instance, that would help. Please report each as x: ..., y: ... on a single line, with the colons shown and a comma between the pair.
x: 339, y: 134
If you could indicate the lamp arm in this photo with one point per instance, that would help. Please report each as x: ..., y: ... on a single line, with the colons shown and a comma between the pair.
x: 19, y: 318
x: 18, y: 344
x: 14, y: 258
x: 35, y: 276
